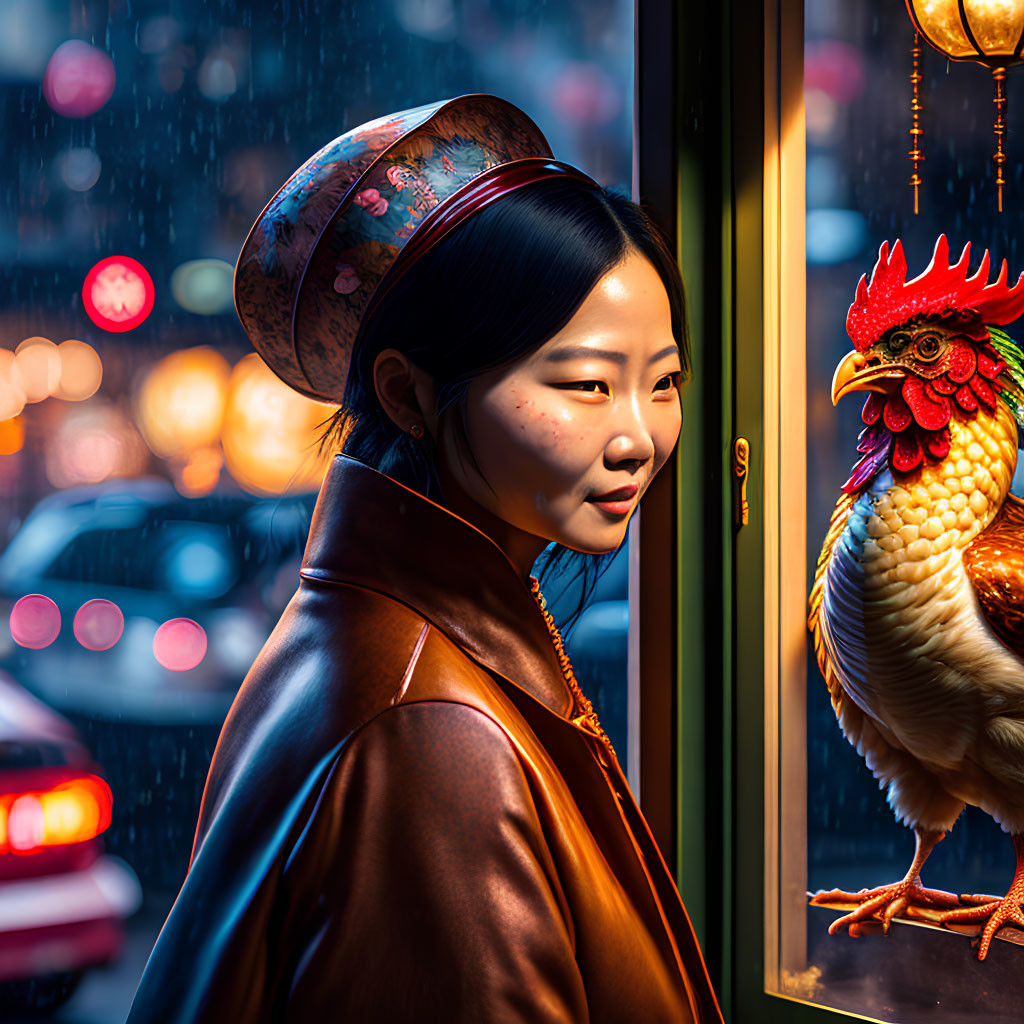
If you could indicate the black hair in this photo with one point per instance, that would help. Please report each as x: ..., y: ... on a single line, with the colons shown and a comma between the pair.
x: 498, y: 287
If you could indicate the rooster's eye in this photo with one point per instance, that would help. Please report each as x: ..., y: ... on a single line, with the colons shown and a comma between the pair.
x: 927, y: 347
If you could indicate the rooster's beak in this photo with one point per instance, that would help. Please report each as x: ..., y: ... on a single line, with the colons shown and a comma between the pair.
x: 853, y: 374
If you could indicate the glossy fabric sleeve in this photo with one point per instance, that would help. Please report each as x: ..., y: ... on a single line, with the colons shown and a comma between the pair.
x: 423, y: 888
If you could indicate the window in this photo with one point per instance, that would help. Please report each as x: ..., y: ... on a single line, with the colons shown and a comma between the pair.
x: 828, y: 825
x: 159, y: 135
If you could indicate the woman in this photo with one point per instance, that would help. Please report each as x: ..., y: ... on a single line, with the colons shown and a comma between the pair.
x: 413, y: 813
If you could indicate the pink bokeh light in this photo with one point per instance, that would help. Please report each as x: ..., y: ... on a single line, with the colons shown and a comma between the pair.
x: 836, y: 68
x: 98, y: 624
x: 584, y: 93
x: 79, y: 79
x: 179, y: 644
x: 35, y: 621
x: 118, y: 293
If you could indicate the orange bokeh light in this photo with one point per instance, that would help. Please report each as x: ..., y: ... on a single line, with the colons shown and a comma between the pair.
x: 12, y: 435
x: 38, y: 362
x: 270, y: 432
x: 200, y: 473
x: 81, y: 371
x: 181, y: 402
x: 12, y: 389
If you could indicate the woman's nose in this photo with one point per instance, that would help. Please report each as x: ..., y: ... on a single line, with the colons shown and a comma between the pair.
x: 632, y: 441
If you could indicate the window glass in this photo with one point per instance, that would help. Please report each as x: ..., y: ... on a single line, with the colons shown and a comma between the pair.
x: 858, y: 92
x: 156, y: 481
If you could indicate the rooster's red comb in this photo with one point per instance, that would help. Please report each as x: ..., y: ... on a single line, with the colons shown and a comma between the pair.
x: 890, y: 299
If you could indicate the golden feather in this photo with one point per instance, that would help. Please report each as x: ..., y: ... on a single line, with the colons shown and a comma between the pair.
x: 994, y: 562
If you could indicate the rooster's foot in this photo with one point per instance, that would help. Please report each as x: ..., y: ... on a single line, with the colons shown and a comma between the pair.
x: 996, y: 914
x: 883, y: 903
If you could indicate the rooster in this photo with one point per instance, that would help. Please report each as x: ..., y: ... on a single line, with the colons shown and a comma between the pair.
x: 917, y: 608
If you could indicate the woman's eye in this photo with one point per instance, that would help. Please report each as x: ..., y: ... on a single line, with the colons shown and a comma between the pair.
x: 591, y: 387
x: 669, y: 381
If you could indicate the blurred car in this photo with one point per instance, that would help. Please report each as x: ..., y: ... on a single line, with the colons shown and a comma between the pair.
x: 226, y: 561
x: 61, y: 899
x: 229, y: 562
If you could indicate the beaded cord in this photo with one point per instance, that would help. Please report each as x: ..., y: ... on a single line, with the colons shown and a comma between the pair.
x: 584, y: 715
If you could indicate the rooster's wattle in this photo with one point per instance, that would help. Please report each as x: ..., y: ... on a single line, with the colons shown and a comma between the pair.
x: 917, y: 608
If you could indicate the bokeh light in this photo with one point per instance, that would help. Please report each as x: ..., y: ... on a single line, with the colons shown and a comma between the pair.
x: 270, y: 432
x: 98, y: 624
x: 217, y: 78
x: 204, y: 286
x: 38, y: 362
x: 237, y: 635
x: 584, y: 93
x: 12, y: 388
x: 94, y: 441
x: 29, y: 31
x: 81, y: 371
x: 118, y: 293
x: 834, y: 67
x: 822, y: 115
x: 173, y: 62
x: 158, y: 33
x: 80, y: 168
x: 200, y: 472
x: 200, y: 566
x: 179, y: 644
x: 835, y: 236
x: 79, y: 79
x: 35, y: 621
x: 432, y: 19
x: 12, y: 435
x: 180, y: 404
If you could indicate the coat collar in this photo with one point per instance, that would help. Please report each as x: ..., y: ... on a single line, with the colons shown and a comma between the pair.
x: 372, y: 531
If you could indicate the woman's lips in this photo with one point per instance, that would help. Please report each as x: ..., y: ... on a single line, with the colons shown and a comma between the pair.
x: 617, y: 503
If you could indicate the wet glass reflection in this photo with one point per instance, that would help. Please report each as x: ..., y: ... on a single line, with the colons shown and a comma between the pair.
x: 156, y: 480
x: 858, y: 92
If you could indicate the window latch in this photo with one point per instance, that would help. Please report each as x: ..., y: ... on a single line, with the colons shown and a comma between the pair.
x: 740, y: 462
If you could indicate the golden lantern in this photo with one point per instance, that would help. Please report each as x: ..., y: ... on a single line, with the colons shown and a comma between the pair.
x: 989, y: 32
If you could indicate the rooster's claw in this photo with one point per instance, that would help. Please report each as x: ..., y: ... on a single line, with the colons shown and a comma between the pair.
x: 881, y: 904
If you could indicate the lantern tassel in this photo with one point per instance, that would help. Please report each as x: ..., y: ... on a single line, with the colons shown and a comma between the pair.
x: 999, y: 77
x: 916, y: 131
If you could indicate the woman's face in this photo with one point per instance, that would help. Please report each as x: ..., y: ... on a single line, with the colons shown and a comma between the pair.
x: 569, y: 437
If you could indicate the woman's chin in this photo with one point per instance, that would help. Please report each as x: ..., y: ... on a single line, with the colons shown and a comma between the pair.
x: 591, y: 543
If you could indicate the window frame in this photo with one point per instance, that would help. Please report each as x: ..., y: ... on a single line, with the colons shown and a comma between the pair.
x: 766, y: 293
x: 741, y: 640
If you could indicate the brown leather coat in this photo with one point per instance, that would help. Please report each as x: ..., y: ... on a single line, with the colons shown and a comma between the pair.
x: 402, y: 823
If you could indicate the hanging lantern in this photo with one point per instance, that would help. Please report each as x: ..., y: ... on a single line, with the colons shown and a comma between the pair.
x: 989, y: 32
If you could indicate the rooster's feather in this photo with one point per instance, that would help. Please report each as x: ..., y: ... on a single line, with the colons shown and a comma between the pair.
x: 994, y: 562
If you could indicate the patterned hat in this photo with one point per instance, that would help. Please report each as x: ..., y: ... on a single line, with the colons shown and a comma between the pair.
x: 345, y: 226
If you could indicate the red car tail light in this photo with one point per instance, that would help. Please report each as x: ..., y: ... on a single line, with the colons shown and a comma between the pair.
x: 74, y: 810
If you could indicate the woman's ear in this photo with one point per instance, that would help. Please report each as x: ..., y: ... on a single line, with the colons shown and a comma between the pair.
x: 404, y: 391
